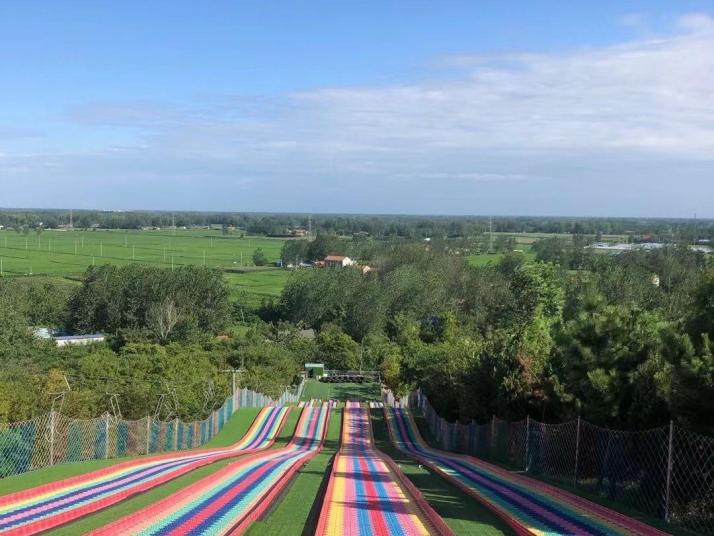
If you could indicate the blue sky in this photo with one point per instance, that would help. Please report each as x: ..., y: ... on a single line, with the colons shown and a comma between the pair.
x: 533, y: 107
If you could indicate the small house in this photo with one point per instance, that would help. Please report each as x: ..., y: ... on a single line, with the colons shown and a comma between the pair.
x: 338, y: 261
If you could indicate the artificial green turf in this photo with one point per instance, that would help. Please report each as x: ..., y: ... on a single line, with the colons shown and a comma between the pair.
x: 234, y: 428
x: 463, y: 514
x: 11, y: 484
x: 341, y: 391
x: 137, y: 502
x: 233, y: 433
x: 288, y: 430
x: 298, y: 509
x: 423, y: 427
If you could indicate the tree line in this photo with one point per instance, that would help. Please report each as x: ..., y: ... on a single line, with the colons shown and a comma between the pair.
x: 377, y: 226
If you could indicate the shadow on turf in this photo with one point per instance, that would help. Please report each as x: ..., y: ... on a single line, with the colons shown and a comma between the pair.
x: 314, y: 515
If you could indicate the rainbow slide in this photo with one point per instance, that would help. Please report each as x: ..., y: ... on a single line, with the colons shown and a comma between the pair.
x: 233, y: 497
x: 367, y: 494
x: 530, y: 507
x: 44, y: 507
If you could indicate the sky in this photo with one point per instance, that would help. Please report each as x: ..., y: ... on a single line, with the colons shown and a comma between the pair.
x: 530, y: 107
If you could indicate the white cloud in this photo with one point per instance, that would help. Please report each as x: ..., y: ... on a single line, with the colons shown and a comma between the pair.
x: 654, y: 96
x: 603, y: 115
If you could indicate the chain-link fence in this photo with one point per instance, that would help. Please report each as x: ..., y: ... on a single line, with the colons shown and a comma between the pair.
x: 54, y: 438
x: 667, y: 473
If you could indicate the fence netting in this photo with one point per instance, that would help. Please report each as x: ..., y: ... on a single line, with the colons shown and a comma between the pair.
x: 665, y: 473
x: 55, y: 438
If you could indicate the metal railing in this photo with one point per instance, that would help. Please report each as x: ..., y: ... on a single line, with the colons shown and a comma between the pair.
x: 54, y: 438
x: 665, y: 473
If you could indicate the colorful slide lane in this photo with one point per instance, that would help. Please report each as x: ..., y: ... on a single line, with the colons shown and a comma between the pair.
x: 367, y: 494
x: 530, y: 507
x: 44, y: 507
x: 236, y: 495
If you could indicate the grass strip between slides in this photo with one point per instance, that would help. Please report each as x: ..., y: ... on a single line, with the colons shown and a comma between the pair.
x: 230, y: 499
x: 44, y: 507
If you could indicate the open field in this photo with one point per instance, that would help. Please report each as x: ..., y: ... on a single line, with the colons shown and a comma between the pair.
x: 70, y: 252
x: 485, y: 258
x: 529, y: 238
x: 251, y: 287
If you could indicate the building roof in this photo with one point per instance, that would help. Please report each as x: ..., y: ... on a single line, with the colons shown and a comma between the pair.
x: 338, y: 258
x: 91, y: 336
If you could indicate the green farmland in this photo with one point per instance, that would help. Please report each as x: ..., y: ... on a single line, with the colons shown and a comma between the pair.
x: 252, y: 286
x: 69, y: 253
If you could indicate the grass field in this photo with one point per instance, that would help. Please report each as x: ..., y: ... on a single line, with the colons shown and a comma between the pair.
x: 523, y: 245
x: 252, y: 287
x: 70, y: 252
x: 341, y: 391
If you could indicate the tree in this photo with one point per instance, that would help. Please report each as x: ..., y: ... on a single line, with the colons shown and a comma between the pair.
x: 259, y: 257
x: 114, y: 298
x: 162, y: 318
x: 609, y: 361
x: 700, y: 318
x: 337, y: 349
x: 326, y: 244
x: 294, y: 252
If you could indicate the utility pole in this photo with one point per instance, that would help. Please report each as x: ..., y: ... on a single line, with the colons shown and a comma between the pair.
x: 490, y: 234
x: 233, y: 373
